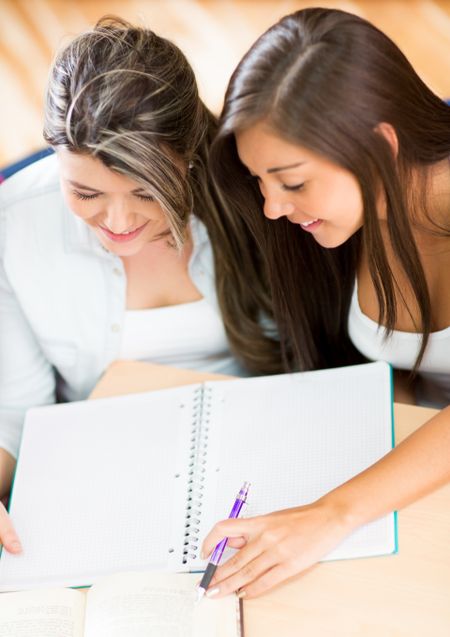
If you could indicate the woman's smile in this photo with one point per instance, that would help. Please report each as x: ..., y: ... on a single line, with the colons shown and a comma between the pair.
x: 127, y: 235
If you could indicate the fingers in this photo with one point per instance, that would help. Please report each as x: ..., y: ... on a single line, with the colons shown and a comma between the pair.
x: 239, y: 529
x: 240, y: 562
x: 250, y: 571
x: 8, y: 536
x: 257, y: 577
x: 236, y: 542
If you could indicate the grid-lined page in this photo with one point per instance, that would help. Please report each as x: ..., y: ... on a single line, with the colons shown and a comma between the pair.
x: 95, y: 490
x: 295, y: 437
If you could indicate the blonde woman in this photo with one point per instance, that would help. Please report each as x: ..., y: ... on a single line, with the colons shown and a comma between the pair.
x: 114, y: 247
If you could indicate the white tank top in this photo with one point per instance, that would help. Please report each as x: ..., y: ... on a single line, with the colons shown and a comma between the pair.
x: 401, y: 349
x: 189, y: 335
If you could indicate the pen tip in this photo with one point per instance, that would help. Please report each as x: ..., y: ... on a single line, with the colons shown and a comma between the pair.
x: 200, y: 593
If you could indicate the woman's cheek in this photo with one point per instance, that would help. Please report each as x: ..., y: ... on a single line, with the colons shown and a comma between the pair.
x: 82, y: 211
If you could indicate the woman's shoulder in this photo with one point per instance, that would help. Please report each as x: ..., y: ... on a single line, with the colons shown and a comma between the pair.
x: 31, y: 206
x: 34, y: 183
x: 35, y: 220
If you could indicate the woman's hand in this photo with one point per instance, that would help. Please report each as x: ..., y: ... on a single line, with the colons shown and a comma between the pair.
x: 8, y: 536
x: 274, y: 547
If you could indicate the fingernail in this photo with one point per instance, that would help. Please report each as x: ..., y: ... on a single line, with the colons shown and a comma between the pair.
x: 203, y: 555
x: 15, y: 547
x: 242, y: 594
x: 212, y: 592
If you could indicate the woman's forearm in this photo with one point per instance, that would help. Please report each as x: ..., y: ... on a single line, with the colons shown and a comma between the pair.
x: 7, y: 465
x: 417, y: 466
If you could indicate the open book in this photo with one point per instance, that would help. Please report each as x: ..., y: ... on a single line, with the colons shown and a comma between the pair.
x: 129, y: 604
x: 136, y: 482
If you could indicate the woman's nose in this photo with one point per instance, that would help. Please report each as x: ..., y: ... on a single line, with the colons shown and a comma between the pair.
x: 117, y: 217
x: 276, y: 207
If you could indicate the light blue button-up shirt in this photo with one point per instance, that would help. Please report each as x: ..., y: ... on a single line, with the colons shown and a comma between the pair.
x: 62, y: 298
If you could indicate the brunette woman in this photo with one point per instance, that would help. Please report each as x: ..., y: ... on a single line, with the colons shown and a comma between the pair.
x: 342, y: 154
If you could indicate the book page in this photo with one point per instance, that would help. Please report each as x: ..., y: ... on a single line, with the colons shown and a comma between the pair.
x: 295, y: 437
x: 157, y: 605
x: 43, y: 613
x: 96, y: 490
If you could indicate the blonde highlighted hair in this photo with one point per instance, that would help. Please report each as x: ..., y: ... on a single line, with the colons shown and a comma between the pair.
x: 128, y: 97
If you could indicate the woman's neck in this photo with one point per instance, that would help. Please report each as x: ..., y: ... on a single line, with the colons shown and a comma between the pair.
x: 431, y: 220
x: 440, y: 191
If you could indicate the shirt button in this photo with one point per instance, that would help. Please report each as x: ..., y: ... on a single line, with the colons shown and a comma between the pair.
x: 115, y: 327
x: 117, y: 271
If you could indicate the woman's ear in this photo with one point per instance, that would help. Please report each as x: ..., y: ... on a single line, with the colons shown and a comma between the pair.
x: 390, y: 135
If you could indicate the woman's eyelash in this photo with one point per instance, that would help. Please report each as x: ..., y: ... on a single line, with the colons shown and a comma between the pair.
x: 83, y: 196
x: 295, y: 188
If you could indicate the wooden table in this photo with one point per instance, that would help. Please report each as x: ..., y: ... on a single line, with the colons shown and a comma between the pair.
x: 403, y: 595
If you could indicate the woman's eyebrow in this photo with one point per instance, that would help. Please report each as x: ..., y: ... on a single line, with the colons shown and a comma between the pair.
x: 280, y: 168
x: 137, y: 190
x: 82, y: 186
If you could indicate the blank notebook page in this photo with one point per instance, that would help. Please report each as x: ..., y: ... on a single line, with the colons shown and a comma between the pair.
x: 90, y: 520
x: 296, y: 437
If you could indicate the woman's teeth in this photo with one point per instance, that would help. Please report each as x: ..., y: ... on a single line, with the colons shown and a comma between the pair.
x: 305, y: 224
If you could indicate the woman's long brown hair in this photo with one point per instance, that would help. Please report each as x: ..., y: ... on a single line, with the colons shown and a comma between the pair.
x: 324, y: 79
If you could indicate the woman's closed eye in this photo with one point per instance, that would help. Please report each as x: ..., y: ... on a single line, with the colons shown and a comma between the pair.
x: 294, y: 188
x: 84, y: 197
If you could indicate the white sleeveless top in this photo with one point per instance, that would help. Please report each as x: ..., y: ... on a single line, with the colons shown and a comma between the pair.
x: 401, y: 349
x: 188, y: 335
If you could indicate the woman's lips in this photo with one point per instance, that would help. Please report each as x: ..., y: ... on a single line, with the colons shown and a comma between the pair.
x: 124, y: 236
x: 309, y: 226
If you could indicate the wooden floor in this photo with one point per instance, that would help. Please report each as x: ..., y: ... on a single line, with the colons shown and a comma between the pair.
x: 213, y: 33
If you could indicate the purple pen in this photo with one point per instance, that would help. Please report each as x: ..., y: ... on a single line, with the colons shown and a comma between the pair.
x: 213, y: 563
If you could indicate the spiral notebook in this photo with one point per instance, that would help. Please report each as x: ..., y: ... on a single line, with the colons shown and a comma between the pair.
x: 136, y: 482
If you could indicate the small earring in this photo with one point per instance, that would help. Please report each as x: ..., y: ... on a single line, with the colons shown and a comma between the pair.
x: 191, y: 165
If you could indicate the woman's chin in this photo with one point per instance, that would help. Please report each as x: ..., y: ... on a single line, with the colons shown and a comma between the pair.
x: 331, y: 240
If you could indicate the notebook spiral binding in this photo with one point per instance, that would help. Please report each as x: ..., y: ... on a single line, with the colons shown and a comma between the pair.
x: 197, y: 469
